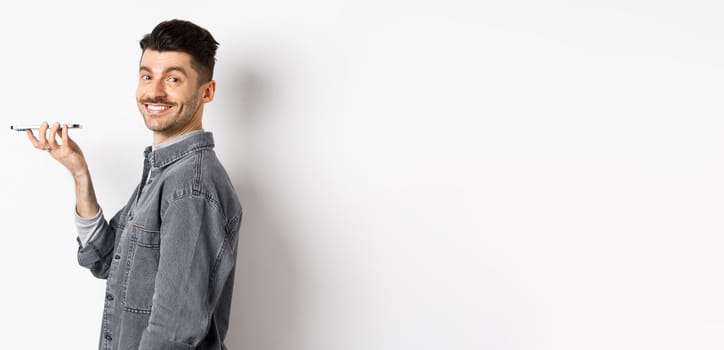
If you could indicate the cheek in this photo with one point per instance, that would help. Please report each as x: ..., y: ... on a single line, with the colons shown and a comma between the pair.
x: 182, y: 97
x: 139, y: 93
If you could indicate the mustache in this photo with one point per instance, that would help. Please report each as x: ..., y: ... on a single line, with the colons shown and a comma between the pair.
x: 157, y: 100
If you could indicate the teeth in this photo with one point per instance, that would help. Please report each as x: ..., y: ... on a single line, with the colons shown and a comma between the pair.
x: 157, y: 108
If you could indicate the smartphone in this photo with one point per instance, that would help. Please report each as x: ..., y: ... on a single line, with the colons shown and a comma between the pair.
x: 36, y: 127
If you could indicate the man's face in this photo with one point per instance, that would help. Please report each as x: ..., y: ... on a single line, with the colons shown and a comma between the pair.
x: 169, y: 95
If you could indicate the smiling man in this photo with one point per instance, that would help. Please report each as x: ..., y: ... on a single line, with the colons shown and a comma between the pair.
x: 169, y: 254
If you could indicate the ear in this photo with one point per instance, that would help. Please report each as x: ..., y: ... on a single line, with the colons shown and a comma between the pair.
x: 207, y: 91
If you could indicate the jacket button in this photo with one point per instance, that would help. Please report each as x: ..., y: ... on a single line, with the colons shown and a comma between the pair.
x: 117, y: 257
x: 109, y: 297
x: 108, y: 337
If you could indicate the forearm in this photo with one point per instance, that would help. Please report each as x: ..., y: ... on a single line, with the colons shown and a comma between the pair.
x: 86, y: 203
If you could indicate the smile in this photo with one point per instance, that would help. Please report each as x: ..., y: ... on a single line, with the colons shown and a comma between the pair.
x: 157, y: 108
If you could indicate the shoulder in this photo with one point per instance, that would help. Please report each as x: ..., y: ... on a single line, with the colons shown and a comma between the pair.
x: 200, y: 175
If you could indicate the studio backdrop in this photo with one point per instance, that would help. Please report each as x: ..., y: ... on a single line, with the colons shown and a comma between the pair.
x: 509, y: 175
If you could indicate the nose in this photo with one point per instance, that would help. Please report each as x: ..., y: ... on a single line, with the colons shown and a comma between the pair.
x: 159, y: 88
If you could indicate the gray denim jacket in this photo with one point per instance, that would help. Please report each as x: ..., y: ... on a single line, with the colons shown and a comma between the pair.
x: 169, y: 255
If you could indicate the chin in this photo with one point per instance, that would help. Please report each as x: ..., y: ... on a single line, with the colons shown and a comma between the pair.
x: 154, y: 125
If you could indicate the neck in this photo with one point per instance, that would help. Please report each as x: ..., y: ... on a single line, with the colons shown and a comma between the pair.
x: 159, y: 137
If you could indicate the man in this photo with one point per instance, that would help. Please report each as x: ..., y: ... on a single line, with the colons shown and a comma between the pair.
x: 169, y: 254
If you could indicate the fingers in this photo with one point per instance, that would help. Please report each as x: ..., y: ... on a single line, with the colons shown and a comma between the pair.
x: 32, y: 138
x: 42, y: 134
x: 52, y: 137
x: 48, y: 139
x: 64, y: 134
x: 39, y: 142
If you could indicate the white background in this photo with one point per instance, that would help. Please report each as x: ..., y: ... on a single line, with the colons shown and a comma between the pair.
x: 414, y: 174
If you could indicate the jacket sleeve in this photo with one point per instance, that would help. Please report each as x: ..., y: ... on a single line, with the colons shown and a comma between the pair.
x: 194, y: 260
x: 97, y: 254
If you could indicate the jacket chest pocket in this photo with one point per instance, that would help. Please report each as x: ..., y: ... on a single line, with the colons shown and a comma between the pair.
x: 144, y: 251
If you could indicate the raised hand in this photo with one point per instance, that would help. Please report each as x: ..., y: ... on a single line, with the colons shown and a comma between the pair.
x: 67, y: 152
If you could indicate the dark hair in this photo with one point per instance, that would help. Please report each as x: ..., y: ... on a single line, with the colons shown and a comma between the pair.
x: 184, y: 36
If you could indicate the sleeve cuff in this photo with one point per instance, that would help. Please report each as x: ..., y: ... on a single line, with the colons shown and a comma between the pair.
x: 87, y: 227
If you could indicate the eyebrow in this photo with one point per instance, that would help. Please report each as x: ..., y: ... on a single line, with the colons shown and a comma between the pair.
x: 167, y: 70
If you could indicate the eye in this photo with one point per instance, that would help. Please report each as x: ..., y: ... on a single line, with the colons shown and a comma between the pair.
x: 145, y: 77
x: 173, y: 80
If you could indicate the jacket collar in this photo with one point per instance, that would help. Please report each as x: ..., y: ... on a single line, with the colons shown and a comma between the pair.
x: 163, y: 156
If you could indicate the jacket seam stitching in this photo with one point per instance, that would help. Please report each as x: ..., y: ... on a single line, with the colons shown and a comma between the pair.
x: 181, y: 155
